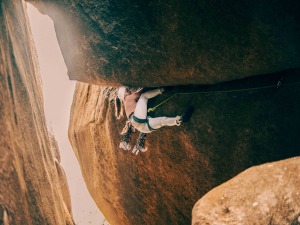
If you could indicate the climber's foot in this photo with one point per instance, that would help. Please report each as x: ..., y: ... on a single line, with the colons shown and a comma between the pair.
x: 137, y: 149
x: 125, y: 146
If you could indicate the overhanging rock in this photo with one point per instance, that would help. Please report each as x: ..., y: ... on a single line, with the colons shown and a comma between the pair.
x: 160, y: 43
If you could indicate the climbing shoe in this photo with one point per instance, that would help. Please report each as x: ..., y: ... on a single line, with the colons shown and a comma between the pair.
x: 137, y: 149
x: 140, y: 144
x: 124, y: 145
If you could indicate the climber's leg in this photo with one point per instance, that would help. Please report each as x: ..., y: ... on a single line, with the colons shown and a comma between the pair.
x: 158, y: 122
x: 141, y: 107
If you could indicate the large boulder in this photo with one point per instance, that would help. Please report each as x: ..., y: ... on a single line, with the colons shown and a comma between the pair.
x: 156, y: 43
x: 266, y: 194
x: 228, y: 133
x: 33, y: 188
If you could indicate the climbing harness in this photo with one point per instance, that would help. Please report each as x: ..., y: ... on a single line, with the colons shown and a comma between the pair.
x: 279, y: 84
x: 143, y: 121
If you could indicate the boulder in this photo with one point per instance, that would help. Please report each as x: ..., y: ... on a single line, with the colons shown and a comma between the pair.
x: 265, y: 194
x: 164, y: 43
x: 30, y: 188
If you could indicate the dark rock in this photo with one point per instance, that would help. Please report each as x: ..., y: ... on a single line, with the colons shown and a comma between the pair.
x: 164, y: 43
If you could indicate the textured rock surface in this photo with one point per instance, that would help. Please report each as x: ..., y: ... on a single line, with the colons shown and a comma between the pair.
x: 228, y: 133
x: 266, y: 194
x: 33, y: 187
x: 156, y: 43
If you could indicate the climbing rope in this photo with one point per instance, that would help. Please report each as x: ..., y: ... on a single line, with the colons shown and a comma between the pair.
x: 225, y: 91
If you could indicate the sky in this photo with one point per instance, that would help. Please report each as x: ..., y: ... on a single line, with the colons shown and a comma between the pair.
x: 58, y: 95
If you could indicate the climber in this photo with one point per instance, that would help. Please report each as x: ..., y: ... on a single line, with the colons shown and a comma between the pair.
x: 135, y: 103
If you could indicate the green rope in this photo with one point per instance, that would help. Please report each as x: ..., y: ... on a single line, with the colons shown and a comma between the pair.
x: 152, y: 109
x: 213, y: 92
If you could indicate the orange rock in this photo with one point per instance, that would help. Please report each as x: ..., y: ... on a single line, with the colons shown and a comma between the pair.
x: 265, y: 194
x: 227, y: 133
x: 30, y: 188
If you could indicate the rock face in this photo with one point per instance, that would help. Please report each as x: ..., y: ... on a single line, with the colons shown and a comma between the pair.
x: 33, y: 187
x: 266, y: 194
x: 163, y: 43
x: 228, y: 133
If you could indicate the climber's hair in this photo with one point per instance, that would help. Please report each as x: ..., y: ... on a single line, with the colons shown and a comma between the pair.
x: 119, y: 109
